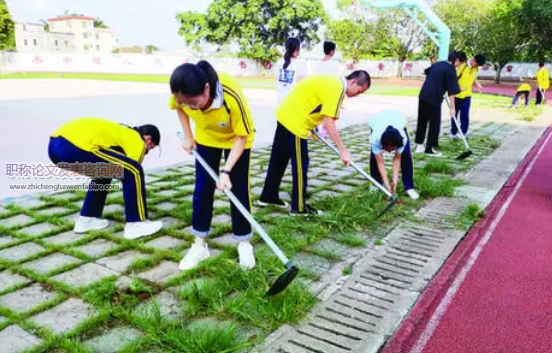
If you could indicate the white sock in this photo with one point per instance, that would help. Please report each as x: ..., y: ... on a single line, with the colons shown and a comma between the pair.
x: 199, y: 241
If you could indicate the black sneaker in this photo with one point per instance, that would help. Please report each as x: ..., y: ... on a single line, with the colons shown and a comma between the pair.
x: 308, y: 211
x: 278, y: 202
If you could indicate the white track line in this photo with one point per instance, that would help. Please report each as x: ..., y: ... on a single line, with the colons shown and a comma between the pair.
x: 451, y: 293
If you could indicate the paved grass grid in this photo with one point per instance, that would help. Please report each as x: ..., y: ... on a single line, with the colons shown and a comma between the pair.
x: 98, y: 292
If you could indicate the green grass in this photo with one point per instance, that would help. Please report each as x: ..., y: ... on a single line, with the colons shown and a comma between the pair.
x: 471, y: 214
x: 219, y: 300
x: 347, y: 271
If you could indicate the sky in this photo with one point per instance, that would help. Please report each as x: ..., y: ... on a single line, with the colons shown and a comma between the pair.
x: 136, y: 22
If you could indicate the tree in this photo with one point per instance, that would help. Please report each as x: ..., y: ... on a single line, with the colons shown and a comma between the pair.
x: 150, y: 48
x: 354, y: 37
x: 501, y: 36
x: 535, y: 18
x: 46, y: 25
x: 7, y: 28
x: 99, y: 23
x: 398, y: 36
x: 465, y: 19
x: 258, y: 26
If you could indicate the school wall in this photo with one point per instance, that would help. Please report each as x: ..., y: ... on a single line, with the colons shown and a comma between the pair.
x: 163, y: 64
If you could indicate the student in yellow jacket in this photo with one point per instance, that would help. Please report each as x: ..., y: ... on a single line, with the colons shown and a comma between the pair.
x: 543, y: 80
x: 467, y: 75
x: 93, y: 140
x: 315, y: 99
x: 523, y: 90
x: 223, y: 126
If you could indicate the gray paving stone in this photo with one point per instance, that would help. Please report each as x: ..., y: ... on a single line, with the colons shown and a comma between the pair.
x: 72, y: 218
x: 221, y: 203
x: 122, y: 261
x: 113, y: 195
x: 54, y: 211
x: 314, y: 183
x: 97, y: 247
x: 169, y: 221
x: 164, y: 303
x: 21, y: 252
x: 331, y: 246
x: 51, y: 263
x: 65, y: 316
x: 165, y: 242
x: 85, y: 275
x: 113, y: 208
x: 326, y: 193
x: 161, y: 273
x: 6, y: 239
x: 166, y: 206
x: 38, y: 229
x: 222, y: 219
x: 315, y: 264
x: 32, y: 203
x: 186, y: 188
x: 64, y: 196
x: 26, y: 299
x: 225, y: 240
x: 167, y: 193
x: 113, y: 341
x: 15, y: 340
x: 342, y: 188
x: 16, y: 221
x: 9, y: 279
x: 64, y: 238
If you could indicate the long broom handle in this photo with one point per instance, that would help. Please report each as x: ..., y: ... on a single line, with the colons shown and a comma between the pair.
x: 242, y: 209
x: 356, y: 167
x: 455, y: 119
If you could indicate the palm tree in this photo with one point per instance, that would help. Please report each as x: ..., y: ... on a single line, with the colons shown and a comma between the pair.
x: 99, y: 23
x: 46, y: 25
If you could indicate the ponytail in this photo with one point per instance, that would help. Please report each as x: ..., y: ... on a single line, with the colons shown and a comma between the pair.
x: 292, y: 44
x: 212, y: 77
x: 190, y: 80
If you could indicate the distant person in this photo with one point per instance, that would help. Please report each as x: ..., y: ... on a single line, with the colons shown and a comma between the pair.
x: 467, y: 76
x: 543, y: 80
x: 524, y: 90
x: 290, y: 69
x: 93, y: 140
x: 327, y: 66
x: 441, y: 78
x: 389, y: 134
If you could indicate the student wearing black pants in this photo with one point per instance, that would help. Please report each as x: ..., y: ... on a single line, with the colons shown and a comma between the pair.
x: 389, y: 134
x: 441, y: 78
x: 223, y: 126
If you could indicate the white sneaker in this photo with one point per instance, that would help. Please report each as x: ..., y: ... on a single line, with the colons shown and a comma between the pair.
x: 197, y: 253
x: 413, y: 194
x: 434, y: 153
x: 135, y: 230
x: 453, y: 136
x: 420, y: 149
x: 247, y: 256
x: 85, y: 224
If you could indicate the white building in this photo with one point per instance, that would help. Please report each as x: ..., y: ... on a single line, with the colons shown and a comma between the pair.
x: 66, y: 34
x: 32, y: 37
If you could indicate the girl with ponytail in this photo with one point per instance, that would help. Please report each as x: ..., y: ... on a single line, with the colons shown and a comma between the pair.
x: 223, y: 126
x: 290, y: 69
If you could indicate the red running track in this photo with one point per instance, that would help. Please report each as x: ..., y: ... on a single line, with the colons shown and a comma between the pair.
x: 494, y: 294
